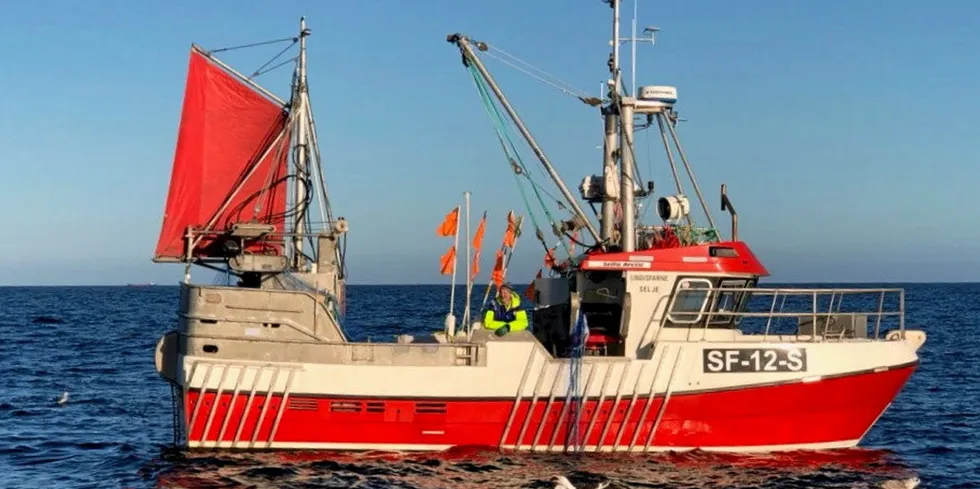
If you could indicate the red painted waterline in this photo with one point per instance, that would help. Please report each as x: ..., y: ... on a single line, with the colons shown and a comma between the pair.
x: 830, y: 410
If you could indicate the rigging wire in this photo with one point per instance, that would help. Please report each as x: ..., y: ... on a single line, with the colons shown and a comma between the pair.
x: 272, y: 172
x: 288, y: 213
x: 517, y: 164
x: 545, y: 77
x: 515, y: 160
x: 555, y: 83
x: 527, y: 175
x: 271, y: 138
x: 280, y: 53
x: 261, y: 70
x: 326, y: 210
x: 649, y: 168
x: 557, y: 80
x: 578, y: 242
x: 254, y: 44
x: 258, y: 72
x: 273, y: 217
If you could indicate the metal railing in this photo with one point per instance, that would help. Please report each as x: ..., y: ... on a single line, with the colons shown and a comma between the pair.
x: 822, y: 314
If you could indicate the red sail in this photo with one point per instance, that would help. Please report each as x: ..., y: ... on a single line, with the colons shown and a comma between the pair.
x: 232, y: 151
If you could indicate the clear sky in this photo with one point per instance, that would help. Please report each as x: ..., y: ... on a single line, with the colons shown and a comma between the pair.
x: 845, y: 130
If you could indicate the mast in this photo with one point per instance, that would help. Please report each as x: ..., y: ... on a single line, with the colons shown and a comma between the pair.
x: 614, y: 62
x: 653, y: 102
x: 230, y: 196
x: 469, y: 287
x: 626, y: 184
x: 636, y: 4
x: 610, y: 146
x: 610, y: 143
x: 302, y: 145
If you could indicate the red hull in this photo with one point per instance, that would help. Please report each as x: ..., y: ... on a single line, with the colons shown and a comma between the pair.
x: 832, y: 410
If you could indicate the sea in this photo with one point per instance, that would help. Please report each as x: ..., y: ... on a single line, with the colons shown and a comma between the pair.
x: 115, y: 430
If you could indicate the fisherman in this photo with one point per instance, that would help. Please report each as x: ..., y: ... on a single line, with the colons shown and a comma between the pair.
x: 506, y: 315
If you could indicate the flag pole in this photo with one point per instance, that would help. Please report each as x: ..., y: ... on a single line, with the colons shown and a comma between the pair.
x: 508, y: 254
x: 450, y: 319
x: 466, y: 309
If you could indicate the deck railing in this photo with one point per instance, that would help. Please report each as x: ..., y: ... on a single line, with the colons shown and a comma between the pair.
x: 821, y: 314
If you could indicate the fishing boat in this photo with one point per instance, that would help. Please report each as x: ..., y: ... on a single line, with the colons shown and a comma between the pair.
x: 654, y: 338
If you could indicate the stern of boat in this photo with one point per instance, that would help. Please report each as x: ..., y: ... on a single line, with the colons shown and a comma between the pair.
x: 167, y: 355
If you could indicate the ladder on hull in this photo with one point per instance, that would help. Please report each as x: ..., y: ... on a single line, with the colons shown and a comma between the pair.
x: 264, y: 381
x: 619, y: 444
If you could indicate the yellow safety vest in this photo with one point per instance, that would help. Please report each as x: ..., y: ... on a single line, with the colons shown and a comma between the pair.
x: 490, y: 321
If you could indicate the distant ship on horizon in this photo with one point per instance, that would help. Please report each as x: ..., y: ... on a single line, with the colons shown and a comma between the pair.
x: 148, y: 284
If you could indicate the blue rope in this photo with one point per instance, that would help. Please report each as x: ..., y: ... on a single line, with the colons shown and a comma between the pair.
x: 580, y: 333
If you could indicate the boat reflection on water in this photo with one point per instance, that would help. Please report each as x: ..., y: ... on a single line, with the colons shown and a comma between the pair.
x: 475, y: 467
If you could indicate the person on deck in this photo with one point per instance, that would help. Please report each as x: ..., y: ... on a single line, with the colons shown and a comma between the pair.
x: 506, y: 315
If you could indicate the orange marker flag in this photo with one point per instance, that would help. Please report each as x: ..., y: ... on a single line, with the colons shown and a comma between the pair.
x: 450, y: 224
x: 448, y: 261
x: 477, y: 243
x: 549, y: 258
x: 498, y: 269
x: 510, y: 235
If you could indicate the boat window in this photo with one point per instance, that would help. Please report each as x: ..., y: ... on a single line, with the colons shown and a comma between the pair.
x: 727, y: 302
x: 689, y: 301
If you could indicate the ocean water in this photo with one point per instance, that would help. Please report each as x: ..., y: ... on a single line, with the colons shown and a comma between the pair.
x: 96, y: 343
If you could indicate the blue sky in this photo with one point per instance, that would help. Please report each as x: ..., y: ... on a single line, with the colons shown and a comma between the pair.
x: 843, y: 129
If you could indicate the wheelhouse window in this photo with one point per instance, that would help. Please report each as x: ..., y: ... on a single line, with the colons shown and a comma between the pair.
x: 728, y: 302
x: 690, y: 301
x: 696, y: 302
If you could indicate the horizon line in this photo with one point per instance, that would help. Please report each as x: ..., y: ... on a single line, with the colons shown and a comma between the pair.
x: 819, y: 282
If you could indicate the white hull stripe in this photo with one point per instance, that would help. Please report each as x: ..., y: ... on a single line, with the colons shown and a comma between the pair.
x: 676, y: 393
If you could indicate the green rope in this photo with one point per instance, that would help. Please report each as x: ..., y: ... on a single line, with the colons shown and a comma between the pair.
x: 514, y: 157
x: 501, y: 136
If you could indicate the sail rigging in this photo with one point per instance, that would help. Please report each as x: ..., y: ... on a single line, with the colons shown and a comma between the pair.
x: 229, y: 166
